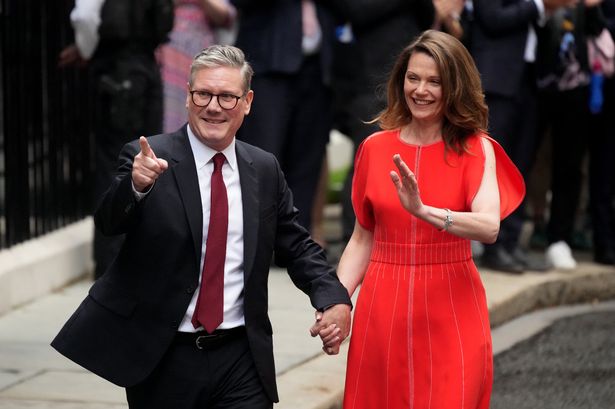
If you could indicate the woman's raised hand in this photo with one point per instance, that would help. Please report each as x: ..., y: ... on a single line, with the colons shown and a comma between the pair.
x: 407, y: 187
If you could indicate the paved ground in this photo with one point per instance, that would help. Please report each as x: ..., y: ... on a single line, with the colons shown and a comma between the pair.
x: 568, y: 365
x: 32, y: 374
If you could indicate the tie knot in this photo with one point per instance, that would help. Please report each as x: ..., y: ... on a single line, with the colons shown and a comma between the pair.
x: 219, y: 159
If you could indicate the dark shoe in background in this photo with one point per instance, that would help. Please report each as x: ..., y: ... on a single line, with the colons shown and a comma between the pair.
x: 529, y: 261
x: 497, y: 258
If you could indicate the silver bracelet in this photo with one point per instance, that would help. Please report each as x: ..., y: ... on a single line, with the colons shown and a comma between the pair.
x: 448, y: 220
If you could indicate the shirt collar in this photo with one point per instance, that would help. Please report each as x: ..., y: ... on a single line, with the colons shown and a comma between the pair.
x: 203, y: 154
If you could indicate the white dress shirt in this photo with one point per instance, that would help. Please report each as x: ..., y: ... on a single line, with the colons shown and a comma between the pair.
x: 532, y: 39
x: 85, y: 18
x: 233, y: 265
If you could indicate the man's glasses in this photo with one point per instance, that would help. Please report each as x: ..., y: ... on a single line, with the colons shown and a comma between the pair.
x: 203, y: 98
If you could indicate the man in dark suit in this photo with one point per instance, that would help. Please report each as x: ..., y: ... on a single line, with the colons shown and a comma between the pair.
x: 503, y: 44
x: 142, y: 324
x: 290, y: 45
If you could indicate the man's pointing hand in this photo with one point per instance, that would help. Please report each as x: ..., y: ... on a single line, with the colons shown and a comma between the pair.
x: 146, y: 167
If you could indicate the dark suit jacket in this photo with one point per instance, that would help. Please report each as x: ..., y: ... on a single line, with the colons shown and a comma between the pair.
x: 499, y: 35
x: 127, y: 322
x: 270, y: 34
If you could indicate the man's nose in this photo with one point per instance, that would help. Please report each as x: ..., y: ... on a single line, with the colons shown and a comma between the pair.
x: 214, y: 104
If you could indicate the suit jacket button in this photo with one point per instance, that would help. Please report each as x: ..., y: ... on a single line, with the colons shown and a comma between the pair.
x: 190, y: 290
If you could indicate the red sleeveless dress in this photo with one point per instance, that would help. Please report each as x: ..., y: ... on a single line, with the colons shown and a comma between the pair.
x: 420, y: 336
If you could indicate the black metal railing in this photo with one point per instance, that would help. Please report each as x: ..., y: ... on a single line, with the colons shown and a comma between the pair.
x: 45, y: 134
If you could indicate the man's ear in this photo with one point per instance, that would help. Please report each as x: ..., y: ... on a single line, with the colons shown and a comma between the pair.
x: 249, y: 98
x: 188, y: 96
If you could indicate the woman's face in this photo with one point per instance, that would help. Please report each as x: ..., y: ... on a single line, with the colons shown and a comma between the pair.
x: 423, y: 88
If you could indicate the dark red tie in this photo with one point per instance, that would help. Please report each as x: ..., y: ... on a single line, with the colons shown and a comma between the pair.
x: 208, y: 311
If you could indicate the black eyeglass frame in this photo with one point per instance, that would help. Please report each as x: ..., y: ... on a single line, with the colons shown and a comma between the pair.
x: 211, y: 98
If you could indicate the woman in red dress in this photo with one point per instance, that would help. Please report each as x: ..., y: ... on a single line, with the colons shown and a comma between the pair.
x: 427, y: 184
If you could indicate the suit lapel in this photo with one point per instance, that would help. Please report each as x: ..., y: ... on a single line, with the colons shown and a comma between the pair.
x: 186, y: 177
x: 249, y: 196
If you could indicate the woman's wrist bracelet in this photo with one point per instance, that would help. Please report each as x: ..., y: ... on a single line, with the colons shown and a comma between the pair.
x: 448, y: 220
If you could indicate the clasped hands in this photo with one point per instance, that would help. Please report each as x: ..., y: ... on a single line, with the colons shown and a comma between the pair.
x: 333, y: 327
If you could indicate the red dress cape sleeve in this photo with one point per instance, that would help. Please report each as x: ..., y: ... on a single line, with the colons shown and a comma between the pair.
x: 510, y: 180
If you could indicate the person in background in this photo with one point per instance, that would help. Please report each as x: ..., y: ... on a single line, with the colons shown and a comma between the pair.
x: 290, y: 45
x: 564, y: 75
x: 180, y: 318
x: 117, y: 39
x: 503, y: 44
x: 602, y: 163
x: 420, y: 336
x: 193, y: 30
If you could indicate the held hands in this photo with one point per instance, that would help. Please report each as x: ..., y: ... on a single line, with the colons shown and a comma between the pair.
x: 333, y: 326
x: 146, y: 167
x: 407, y: 187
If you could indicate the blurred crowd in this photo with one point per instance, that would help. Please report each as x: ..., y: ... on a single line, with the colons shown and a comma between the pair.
x: 546, y: 70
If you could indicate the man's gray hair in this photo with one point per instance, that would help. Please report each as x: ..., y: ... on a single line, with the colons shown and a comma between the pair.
x: 222, y: 56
